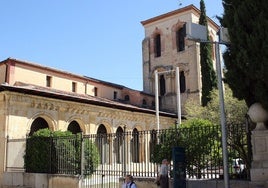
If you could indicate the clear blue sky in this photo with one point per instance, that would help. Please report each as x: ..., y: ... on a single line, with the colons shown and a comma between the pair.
x: 100, y: 39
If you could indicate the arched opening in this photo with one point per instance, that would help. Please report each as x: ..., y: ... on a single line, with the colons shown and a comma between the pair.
x: 162, y: 85
x: 157, y: 45
x: 118, y: 145
x: 38, y: 123
x: 180, y: 39
x: 102, y: 143
x: 74, y: 127
x: 135, y: 149
x: 153, y: 141
x: 182, y: 82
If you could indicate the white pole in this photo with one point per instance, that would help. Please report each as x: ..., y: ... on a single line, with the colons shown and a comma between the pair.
x: 156, y: 99
x: 223, y: 121
x: 178, y: 95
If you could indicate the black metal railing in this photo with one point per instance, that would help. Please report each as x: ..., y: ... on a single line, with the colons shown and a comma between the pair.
x: 105, y: 156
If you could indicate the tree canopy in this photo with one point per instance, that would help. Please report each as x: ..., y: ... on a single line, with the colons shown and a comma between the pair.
x: 209, y: 80
x: 246, y: 58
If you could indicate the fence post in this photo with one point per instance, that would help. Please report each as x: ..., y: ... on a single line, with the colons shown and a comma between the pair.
x: 124, y: 152
x: 82, y: 156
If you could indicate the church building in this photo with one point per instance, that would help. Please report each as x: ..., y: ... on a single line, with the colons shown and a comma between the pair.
x: 33, y: 96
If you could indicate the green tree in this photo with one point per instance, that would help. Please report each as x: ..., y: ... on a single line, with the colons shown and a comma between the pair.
x: 246, y: 58
x: 209, y: 80
x: 235, y: 109
x: 199, y: 137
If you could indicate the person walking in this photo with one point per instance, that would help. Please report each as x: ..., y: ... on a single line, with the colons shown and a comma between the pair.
x: 163, y: 174
x: 129, y: 182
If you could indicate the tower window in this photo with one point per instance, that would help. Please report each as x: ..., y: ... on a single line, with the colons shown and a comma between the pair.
x: 182, y: 82
x: 162, y: 85
x: 180, y: 34
x: 157, y: 45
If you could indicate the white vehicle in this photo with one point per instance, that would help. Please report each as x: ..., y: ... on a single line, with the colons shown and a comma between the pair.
x: 238, y: 165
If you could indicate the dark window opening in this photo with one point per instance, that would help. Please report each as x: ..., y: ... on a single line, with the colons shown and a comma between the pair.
x: 74, y: 127
x: 135, y: 149
x: 73, y: 87
x: 180, y: 34
x: 48, y: 81
x: 38, y: 123
x: 102, y: 144
x: 95, y: 91
x: 144, y: 103
x: 119, y: 145
x: 127, y: 98
x: 182, y: 82
x: 162, y: 85
x: 115, y: 95
x: 157, y: 45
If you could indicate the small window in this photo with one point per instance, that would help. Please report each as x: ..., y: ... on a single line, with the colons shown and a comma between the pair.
x: 95, y: 91
x: 127, y: 98
x: 157, y: 45
x: 74, y: 86
x: 144, y: 103
x: 48, y: 81
x: 115, y: 95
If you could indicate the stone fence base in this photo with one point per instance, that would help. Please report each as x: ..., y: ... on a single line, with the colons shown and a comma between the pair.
x: 34, y: 180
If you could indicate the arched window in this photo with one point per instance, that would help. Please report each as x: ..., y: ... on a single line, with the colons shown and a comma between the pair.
x: 182, y: 82
x: 180, y: 34
x: 157, y: 45
x: 74, y: 127
x: 38, y: 123
x: 127, y: 98
x: 118, y: 145
x: 102, y: 143
x: 162, y: 85
x: 135, y: 149
x: 144, y: 103
x: 153, y: 141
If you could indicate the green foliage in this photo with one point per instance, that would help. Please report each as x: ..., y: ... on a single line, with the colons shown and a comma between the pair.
x: 235, y: 109
x: 48, y: 152
x: 209, y: 80
x: 92, y: 157
x: 199, y: 137
x: 246, y: 58
x: 36, y: 158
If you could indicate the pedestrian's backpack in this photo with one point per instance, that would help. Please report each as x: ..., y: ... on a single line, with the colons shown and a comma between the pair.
x: 131, y: 184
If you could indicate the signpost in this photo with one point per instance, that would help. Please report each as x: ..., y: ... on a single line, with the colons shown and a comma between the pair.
x: 198, y: 33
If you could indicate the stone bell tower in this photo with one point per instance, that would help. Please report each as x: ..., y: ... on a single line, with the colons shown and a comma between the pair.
x: 164, y: 48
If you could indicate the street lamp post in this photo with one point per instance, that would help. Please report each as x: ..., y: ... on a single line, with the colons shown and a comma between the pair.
x: 198, y: 33
x: 157, y: 95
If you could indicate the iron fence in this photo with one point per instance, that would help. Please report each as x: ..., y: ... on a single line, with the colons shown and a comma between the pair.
x: 103, y: 158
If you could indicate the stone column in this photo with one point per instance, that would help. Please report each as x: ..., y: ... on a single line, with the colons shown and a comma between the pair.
x: 259, y: 140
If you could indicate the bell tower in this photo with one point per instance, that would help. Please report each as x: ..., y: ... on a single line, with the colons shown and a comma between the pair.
x: 164, y: 48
